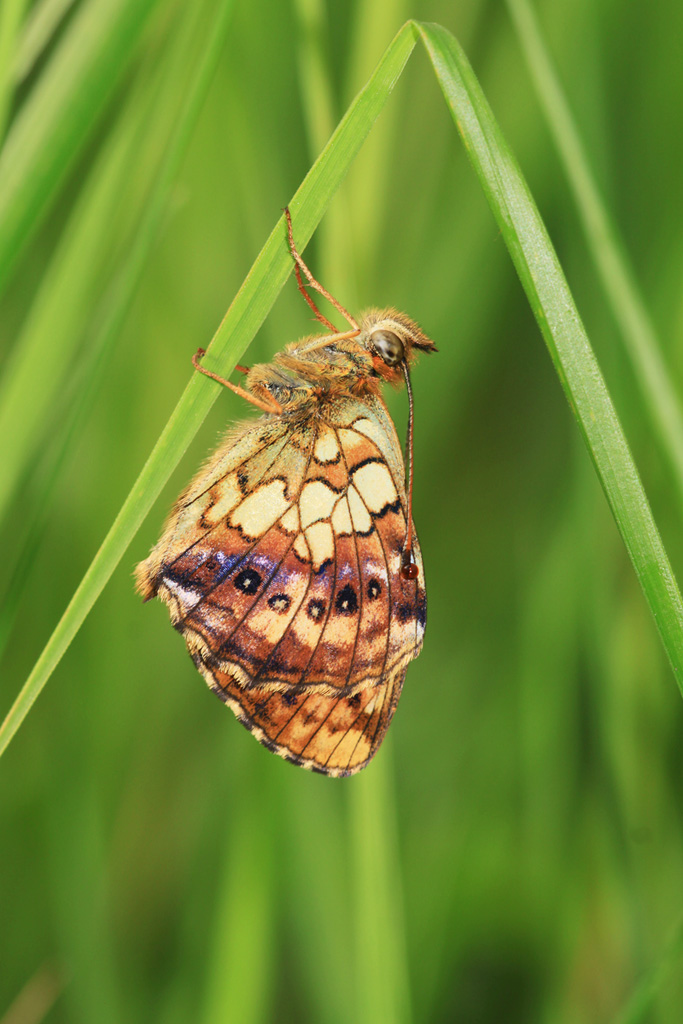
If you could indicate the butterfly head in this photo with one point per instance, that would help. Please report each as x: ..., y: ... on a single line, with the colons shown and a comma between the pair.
x: 393, y: 341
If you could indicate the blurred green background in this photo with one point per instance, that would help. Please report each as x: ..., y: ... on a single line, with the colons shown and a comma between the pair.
x: 515, y: 851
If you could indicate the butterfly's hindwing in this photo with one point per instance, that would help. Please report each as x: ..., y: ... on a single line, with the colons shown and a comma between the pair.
x: 329, y: 734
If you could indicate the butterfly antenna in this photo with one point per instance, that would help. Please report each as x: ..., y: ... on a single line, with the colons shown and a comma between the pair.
x: 409, y: 568
x: 299, y: 265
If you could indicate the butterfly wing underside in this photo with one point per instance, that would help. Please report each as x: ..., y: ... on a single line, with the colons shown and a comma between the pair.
x: 280, y: 565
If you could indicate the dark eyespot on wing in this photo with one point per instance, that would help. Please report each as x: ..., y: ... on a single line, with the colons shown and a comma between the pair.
x: 248, y: 581
x: 346, y: 602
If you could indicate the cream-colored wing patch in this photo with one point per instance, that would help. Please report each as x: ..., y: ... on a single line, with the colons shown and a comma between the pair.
x: 326, y: 447
x: 213, y: 506
x: 360, y: 517
x: 290, y: 520
x: 261, y: 509
x: 354, y: 445
x: 301, y: 548
x: 371, y: 431
x: 374, y: 484
x: 369, y: 434
x: 341, y: 518
x: 321, y: 542
x: 316, y: 502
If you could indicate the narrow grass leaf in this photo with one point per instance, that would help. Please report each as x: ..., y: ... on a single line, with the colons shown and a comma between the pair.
x: 171, y: 147
x: 47, y: 344
x: 382, y: 984
x: 244, y: 317
x: 639, y: 1007
x: 240, y: 976
x: 98, y: 231
x: 60, y: 113
x: 644, y: 349
x: 11, y: 15
x: 551, y: 301
x: 369, y: 183
x: 335, y: 240
x: 42, y: 22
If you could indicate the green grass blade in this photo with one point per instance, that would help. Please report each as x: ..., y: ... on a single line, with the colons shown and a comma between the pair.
x: 41, y: 24
x: 171, y: 148
x: 59, y: 114
x: 640, y: 1004
x: 11, y: 14
x: 314, y: 79
x: 552, y: 303
x: 245, y: 315
x: 48, y: 342
x: 97, y: 231
x: 642, y: 344
x: 382, y: 986
x: 334, y: 238
x: 369, y: 182
x: 239, y: 980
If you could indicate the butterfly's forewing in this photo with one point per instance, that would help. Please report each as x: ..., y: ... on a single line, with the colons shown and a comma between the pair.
x: 280, y: 565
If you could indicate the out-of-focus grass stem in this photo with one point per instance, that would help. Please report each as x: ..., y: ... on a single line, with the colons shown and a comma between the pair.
x: 643, y: 347
x: 169, y: 147
x: 11, y: 15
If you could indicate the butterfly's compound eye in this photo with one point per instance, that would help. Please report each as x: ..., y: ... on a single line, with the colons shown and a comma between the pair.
x: 389, y: 346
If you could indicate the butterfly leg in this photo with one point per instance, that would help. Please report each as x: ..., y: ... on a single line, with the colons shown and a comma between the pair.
x: 318, y: 315
x: 271, y: 406
x: 299, y: 266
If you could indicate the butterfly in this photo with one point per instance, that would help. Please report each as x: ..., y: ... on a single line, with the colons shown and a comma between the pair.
x: 290, y: 564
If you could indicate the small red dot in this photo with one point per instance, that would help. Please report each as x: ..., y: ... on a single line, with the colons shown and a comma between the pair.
x: 409, y: 569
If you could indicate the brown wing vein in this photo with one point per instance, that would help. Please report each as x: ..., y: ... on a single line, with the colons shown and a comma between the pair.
x: 207, y: 593
x: 317, y: 644
x: 202, y: 538
x: 327, y: 615
x: 275, y: 571
x: 360, y: 575
x: 293, y: 716
x: 310, y: 567
x: 214, y: 586
x: 247, y: 458
x: 386, y: 649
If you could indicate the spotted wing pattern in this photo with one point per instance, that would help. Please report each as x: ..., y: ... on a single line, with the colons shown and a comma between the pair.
x: 280, y: 566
